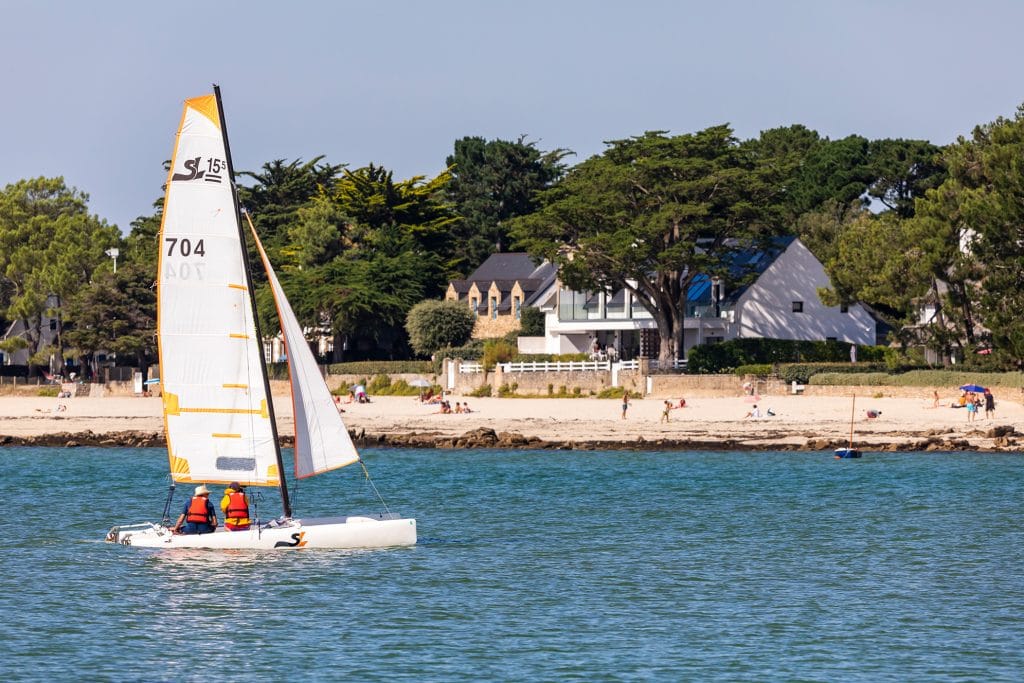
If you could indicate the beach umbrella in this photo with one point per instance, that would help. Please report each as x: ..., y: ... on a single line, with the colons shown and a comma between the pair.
x: 419, y: 382
x: 972, y: 387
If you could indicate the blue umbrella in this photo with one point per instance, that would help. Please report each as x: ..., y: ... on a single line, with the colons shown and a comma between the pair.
x: 973, y: 387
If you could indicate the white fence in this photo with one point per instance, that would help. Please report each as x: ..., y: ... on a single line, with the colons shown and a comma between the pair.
x: 470, y: 368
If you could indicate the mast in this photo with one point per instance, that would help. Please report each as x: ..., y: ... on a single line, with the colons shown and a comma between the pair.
x: 285, y: 502
x: 853, y: 412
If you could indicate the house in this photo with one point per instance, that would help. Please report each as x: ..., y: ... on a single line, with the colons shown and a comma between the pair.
x: 781, y: 303
x: 48, y: 331
x: 498, y: 290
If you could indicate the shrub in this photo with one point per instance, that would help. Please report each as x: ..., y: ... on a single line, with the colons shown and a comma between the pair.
x: 726, y: 356
x: 370, y: 368
x: 433, y: 325
x: 497, y: 351
x: 481, y: 391
x: 758, y: 369
x: 532, y: 322
x: 48, y: 392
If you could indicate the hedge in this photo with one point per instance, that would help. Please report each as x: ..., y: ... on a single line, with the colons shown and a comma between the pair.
x: 924, y: 378
x: 728, y: 355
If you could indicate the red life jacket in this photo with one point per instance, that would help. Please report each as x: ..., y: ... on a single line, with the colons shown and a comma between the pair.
x: 238, y: 507
x: 197, y: 512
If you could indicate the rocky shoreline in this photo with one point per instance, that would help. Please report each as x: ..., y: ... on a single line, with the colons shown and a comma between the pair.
x: 995, y: 439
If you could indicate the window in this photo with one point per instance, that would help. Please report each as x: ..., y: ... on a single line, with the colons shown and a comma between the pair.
x: 798, y: 306
x: 517, y: 305
x: 844, y: 308
x: 494, y: 308
x: 472, y: 305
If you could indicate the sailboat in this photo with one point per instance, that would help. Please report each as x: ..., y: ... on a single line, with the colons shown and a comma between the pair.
x: 218, y: 413
x: 850, y: 451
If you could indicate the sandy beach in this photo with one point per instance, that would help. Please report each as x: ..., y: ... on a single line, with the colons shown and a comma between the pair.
x: 799, y: 423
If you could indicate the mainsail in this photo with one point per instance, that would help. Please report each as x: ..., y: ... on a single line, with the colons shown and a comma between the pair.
x: 216, y: 411
x: 322, y: 442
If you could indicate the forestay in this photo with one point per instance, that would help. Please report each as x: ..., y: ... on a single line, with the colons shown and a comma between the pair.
x: 322, y: 442
x: 216, y: 412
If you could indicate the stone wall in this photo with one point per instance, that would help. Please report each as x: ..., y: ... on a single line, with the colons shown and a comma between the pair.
x: 492, y: 328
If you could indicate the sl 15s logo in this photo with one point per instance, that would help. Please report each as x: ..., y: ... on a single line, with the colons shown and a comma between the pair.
x: 212, y: 173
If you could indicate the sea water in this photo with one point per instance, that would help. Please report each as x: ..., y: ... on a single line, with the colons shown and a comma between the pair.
x: 533, y: 565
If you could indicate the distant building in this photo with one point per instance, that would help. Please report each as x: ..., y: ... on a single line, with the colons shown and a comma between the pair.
x: 781, y: 303
x: 499, y: 289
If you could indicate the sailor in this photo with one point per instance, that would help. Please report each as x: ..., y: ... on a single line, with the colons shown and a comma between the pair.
x: 235, y: 506
x: 198, y: 515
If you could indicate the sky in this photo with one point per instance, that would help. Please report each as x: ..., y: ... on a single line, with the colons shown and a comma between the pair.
x: 93, y: 90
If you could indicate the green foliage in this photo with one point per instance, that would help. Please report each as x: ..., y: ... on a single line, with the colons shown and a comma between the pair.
x: 952, y: 379
x: 507, y: 390
x: 984, y: 195
x: 371, y: 368
x: 370, y: 249
x: 805, y: 373
x: 116, y: 312
x: 48, y: 392
x: 492, y: 182
x: 652, y: 213
x: 758, y: 369
x: 531, y: 324
x: 497, y: 351
x: 433, y: 325
x: 49, y: 245
x: 729, y: 355
x: 481, y: 391
x: 616, y: 392
x: 382, y: 385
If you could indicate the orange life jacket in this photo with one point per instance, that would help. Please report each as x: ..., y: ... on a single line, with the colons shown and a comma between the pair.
x: 238, y: 507
x: 197, y: 512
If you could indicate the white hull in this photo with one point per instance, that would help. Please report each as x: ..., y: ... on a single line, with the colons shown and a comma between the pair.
x: 376, y: 531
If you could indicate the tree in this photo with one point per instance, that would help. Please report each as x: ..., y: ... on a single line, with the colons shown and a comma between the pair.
x: 981, y: 207
x: 433, y: 325
x: 903, y: 171
x: 280, y: 191
x: 50, y: 246
x: 493, y: 181
x: 366, y: 250
x: 650, y: 214
x: 116, y: 312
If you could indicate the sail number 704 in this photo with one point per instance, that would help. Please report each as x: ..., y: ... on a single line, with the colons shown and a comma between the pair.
x: 185, y: 247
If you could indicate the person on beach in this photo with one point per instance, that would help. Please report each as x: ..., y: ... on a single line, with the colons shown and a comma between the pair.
x: 625, y: 404
x: 935, y: 398
x: 990, y: 404
x: 235, y: 506
x: 665, y: 411
x: 198, y: 515
x: 465, y: 408
x: 972, y: 410
x: 458, y: 407
x: 754, y: 412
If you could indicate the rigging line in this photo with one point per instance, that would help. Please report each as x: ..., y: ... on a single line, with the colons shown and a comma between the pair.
x: 374, y: 486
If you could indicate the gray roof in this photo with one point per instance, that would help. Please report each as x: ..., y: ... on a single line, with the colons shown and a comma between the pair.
x: 511, y: 266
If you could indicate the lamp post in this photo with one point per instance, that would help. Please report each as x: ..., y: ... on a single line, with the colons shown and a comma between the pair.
x: 716, y: 294
x: 113, y: 253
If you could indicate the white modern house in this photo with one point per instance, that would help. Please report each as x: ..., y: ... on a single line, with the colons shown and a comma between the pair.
x: 781, y: 303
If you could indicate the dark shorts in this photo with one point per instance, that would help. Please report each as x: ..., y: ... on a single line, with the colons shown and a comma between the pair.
x: 196, y: 528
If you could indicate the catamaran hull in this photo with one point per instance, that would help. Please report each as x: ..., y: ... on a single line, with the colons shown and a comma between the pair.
x: 326, y: 532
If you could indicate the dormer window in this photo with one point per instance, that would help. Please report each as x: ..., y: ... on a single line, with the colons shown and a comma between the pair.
x: 798, y: 306
x: 517, y: 305
x: 473, y: 306
x: 494, y: 308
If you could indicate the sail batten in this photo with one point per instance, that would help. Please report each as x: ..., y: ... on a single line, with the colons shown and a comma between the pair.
x: 210, y: 365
